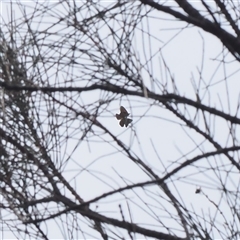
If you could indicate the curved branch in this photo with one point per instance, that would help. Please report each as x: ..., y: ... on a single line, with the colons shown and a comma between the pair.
x: 118, y: 89
x: 195, y: 18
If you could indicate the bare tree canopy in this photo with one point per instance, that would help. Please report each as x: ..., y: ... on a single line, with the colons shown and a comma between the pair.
x: 120, y: 119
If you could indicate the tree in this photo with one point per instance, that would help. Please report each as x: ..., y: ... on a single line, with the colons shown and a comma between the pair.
x: 67, y: 66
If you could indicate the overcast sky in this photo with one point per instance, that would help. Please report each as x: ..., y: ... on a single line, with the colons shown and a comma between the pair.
x: 97, y: 167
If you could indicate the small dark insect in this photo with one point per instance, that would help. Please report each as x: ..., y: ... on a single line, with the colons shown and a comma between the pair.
x: 123, y: 117
x: 198, y: 190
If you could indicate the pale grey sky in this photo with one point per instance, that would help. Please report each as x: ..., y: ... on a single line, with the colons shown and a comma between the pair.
x: 107, y: 168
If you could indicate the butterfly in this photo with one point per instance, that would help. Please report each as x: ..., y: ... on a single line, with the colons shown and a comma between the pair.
x: 122, y: 116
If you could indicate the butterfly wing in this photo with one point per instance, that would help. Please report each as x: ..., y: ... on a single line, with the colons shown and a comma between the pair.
x: 118, y: 116
x: 121, y: 123
x: 127, y: 121
x: 123, y: 112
